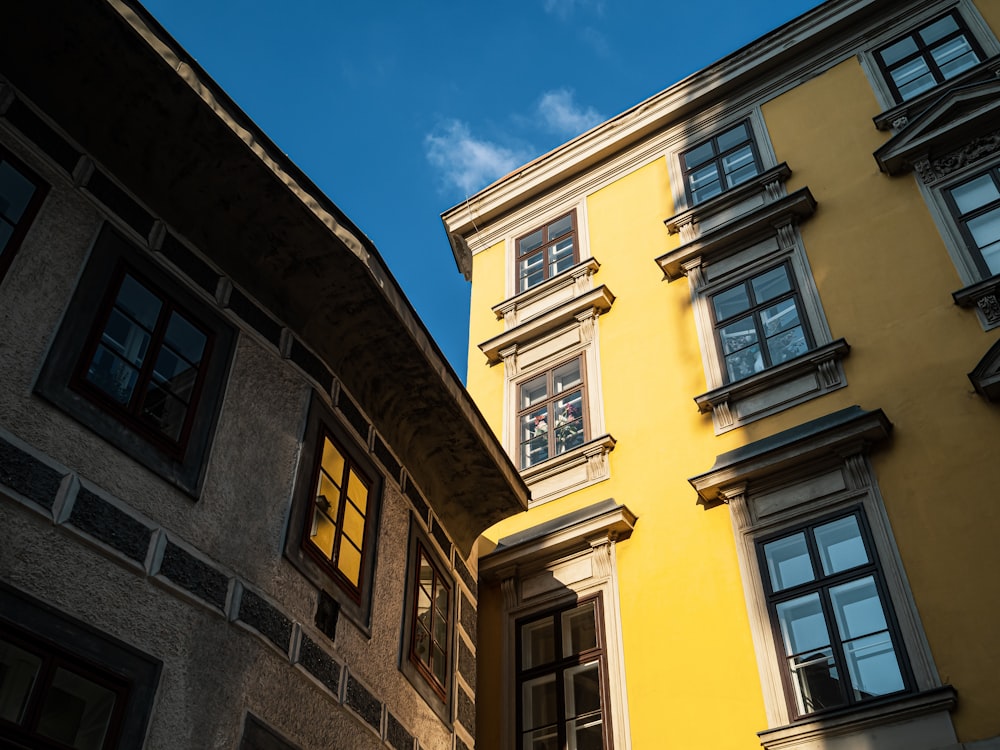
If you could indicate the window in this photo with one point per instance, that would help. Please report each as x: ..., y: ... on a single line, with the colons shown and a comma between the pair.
x: 431, y: 605
x: 759, y: 323
x: 561, y: 682
x: 975, y: 204
x: 720, y: 163
x: 934, y: 53
x: 333, y: 528
x: 834, y: 628
x: 426, y: 653
x: 551, y: 413
x: 145, y: 361
x: 21, y: 194
x: 546, y: 252
x: 64, y: 686
x: 142, y: 361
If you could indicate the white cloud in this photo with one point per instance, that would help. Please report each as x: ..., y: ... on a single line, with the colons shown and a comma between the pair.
x: 565, y: 8
x: 564, y: 116
x: 468, y: 162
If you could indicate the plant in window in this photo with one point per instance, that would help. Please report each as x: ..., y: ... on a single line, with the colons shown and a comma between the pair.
x: 553, y: 399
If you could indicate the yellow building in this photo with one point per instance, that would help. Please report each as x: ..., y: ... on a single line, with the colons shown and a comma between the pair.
x: 739, y: 340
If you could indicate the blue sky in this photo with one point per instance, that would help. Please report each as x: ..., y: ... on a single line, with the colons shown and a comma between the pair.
x: 398, y: 111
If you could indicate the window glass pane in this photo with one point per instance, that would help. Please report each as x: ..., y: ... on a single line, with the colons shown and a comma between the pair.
x: 744, y: 363
x: 731, y: 302
x: 349, y: 561
x: 542, y: 739
x: 779, y: 317
x: 913, y: 78
x: 741, y: 175
x: 788, y: 562
x: 561, y: 256
x: 138, y: 302
x: 738, y: 160
x: 985, y: 230
x: 705, y: 183
x: 733, y: 137
x: 738, y: 335
x: 816, y: 681
x: 582, y: 689
x: 357, y: 491
x: 771, y: 284
x: 956, y: 65
x: 873, y: 666
x: 940, y: 28
x: 532, y: 271
x: 164, y: 412
x: 323, y: 530
x: 76, y: 711
x: 579, y: 629
x: 975, y: 193
x: 441, y: 599
x: 787, y: 345
x: 534, y: 437
x: 538, y: 643
x: 125, y: 338
x: 559, y: 227
x: 175, y: 374
x: 529, y: 243
x: 991, y: 256
x: 333, y: 464
x: 533, y: 391
x: 586, y: 732
x: 440, y: 667
x: 858, y: 609
x: 18, y: 671
x: 569, y: 422
x: 354, y: 524
x: 954, y: 56
x: 187, y: 340
x: 15, y: 193
x: 539, y: 702
x: 803, y: 627
x: 566, y: 376
x: 840, y: 545
x: 698, y: 155
x: 112, y: 375
x: 896, y: 52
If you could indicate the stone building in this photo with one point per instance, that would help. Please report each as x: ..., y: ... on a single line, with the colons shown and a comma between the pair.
x: 239, y: 485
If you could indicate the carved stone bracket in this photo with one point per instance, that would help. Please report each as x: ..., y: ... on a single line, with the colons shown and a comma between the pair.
x: 723, y: 414
x: 695, y: 273
x: 508, y: 587
x: 509, y: 356
x: 602, y: 556
x: 786, y: 235
x: 773, y: 190
x: 989, y: 306
x: 587, y: 319
x: 900, y: 122
x: 857, y: 471
x: 735, y: 496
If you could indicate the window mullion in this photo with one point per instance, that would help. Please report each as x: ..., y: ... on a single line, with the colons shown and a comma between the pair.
x: 152, y: 354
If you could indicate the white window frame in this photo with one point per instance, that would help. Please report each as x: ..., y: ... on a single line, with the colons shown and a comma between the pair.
x: 574, y: 561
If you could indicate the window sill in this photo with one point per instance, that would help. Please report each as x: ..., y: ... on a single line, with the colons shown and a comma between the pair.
x: 572, y: 283
x: 916, y: 722
x: 762, y: 189
x: 570, y: 471
x: 897, y: 117
x: 983, y: 296
x: 735, y: 234
x: 813, y: 374
x: 597, y: 301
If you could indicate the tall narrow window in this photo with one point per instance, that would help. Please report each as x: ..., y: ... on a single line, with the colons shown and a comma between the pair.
x: 932, y: 54
x: 562, y: 679
x: 21, y: 193
x: 551, y: 413
x: 832, y: 623
x: 547, y: 251
x: 335, y: 533
x: 431, y: 618
x: 975, y: 204
x: 720, y: 163
x: 145, y: 360
x: 759, y: 323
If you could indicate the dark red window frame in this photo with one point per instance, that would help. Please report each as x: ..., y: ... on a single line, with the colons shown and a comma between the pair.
x: 440, y: 580
x: 130, y: 414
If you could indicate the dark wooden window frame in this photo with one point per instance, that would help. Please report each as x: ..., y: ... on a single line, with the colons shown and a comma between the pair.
x: 330, y: 564
x: 128, y: 414
x: 548, y: 402
x: 717, y: 159
x: 180, y: 464
x: 754, y: 310
x: 131, y: 674
x: 561, y: 664
x: 923, y: 51
x: 961, y: 220
x: 822, y: 584
x: 543, y: 249
x: 20, y: 229
x: 354, y: 601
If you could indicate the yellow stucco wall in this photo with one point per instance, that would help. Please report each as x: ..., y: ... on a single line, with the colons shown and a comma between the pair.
x: 885, y: 281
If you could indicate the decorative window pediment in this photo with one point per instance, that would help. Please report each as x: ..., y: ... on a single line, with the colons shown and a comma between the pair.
x: 597, y: 301
x: 959, y: 128
x: 986, y: 376
x: 739, y: 232
x: 572, y: 283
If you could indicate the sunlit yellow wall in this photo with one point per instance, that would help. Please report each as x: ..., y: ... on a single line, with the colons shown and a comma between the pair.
x: 486, y: 383
x: 886, y: 280
x: 990, y: 10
